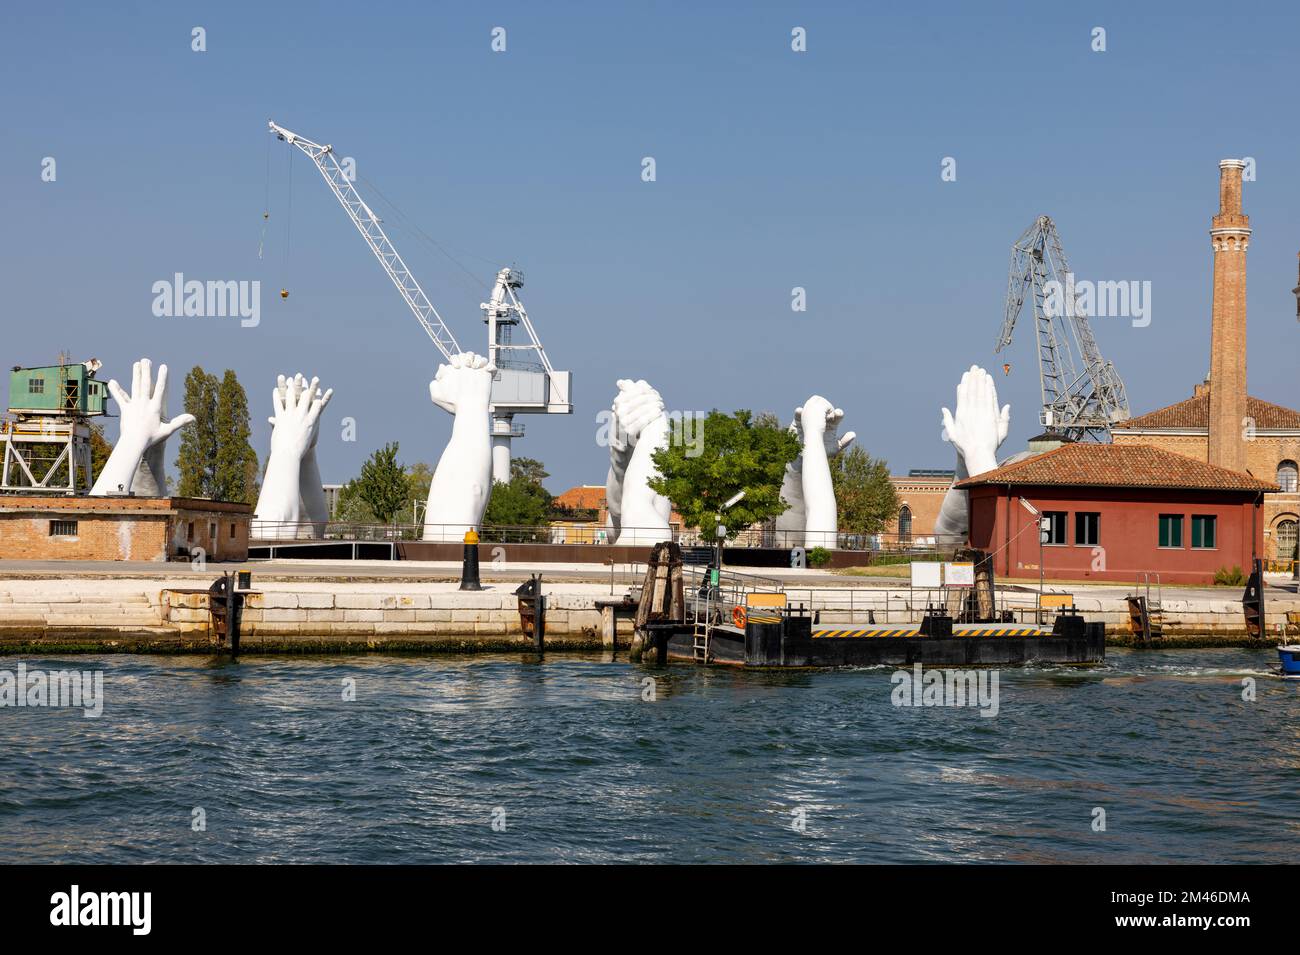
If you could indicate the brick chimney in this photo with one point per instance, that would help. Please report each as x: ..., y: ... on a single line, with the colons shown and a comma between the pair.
x: 1229, y: 235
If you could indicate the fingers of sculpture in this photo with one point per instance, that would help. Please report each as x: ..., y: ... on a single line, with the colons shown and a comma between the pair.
x: 815, y: 417
x: 635, y: 407
x: 845, y: 441
x: 466, y: 376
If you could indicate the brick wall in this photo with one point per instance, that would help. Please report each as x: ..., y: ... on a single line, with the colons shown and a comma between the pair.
x: 57, y: 527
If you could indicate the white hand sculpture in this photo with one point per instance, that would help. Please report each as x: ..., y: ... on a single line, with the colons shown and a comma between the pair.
x: 311, y: 493
x: 293, y: 428
x: 462, y: 481
x: 811, y: 519
x: 977, y: 430
x: 142, y: 429
x: 639, y: 515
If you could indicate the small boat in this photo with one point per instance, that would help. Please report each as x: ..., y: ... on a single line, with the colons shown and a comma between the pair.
x: 1289, y: 655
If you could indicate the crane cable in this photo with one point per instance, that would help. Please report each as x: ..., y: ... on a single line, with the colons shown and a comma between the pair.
x: 266, y: 204
x: 288, y: 233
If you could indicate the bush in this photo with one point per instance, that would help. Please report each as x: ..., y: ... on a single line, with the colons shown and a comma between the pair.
x: 1233, y: 577
x: 818, y: 557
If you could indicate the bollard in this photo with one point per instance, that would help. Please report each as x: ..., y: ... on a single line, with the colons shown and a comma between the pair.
x: 469, y: 564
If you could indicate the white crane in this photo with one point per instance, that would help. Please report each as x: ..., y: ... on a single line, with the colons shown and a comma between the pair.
x: 523, y: 384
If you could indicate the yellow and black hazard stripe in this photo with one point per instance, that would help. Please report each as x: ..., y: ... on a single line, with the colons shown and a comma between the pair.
x: 826, y: 634
x: 868, y: 632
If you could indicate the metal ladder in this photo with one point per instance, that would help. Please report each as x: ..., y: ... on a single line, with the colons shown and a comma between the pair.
x: 700, y: 648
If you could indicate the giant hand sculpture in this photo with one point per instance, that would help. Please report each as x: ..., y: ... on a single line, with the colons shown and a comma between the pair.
x: 311, y: 493
x: 640, y: 428
x: 462, y: 481
x: 142, y: 441
x: 294, y: 428
x: 811, y: 519
x: 977, y: 430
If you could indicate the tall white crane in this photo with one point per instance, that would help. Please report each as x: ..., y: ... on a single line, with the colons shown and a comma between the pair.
x: 524, y: 383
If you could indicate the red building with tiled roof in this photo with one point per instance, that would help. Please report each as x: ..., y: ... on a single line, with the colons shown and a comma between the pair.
x: 1271, y: 447
x: 1115, y: 511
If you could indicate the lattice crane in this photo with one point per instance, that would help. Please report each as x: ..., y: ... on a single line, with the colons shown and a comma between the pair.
x: 1076, y: 404
x: 523, y: 384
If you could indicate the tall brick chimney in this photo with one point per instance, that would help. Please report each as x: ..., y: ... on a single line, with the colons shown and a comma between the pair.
x: 1229, y: 235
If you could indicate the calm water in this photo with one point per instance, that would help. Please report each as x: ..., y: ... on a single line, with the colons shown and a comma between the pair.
x: 712, y: 770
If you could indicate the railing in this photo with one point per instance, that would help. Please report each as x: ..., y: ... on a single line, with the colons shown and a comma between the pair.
x: 579, y: 534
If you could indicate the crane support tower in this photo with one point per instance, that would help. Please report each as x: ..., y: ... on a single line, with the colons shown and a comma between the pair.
x: 525, y: 382
x: 46, y: 435
x: 1076, y: 404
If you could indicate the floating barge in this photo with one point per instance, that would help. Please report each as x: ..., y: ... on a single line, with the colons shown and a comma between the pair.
x: 791, y: 640
x: 713, y: 618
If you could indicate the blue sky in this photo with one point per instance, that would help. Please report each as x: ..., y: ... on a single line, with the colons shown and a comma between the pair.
x: 775, y: 169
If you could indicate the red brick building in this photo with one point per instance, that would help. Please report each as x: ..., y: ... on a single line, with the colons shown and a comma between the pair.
x: 63, y: 527
x: 1115, y: 511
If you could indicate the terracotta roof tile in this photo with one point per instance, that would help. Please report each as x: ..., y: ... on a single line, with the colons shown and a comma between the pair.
x: 1195, y: 413
x: 1118, y: 465
x: 583, y: 497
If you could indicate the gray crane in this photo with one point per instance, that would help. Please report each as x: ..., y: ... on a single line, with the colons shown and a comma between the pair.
x: 1076, y: 404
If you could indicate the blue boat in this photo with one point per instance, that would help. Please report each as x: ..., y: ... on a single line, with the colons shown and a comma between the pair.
x: 1290, y: 658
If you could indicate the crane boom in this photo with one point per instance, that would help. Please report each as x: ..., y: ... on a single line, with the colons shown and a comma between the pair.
x: 1075, y: 404
x: 367, y: 224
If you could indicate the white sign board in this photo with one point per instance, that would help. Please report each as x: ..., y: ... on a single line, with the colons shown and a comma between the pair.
x: 959, y: 575
x: 925, y: 574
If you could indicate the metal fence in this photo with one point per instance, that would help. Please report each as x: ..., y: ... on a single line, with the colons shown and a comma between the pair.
x: 588, y: 535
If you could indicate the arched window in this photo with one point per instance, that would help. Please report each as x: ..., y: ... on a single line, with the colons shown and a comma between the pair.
x: 1286, y: 540
x: 905, y: 523
x: 1287, y: 476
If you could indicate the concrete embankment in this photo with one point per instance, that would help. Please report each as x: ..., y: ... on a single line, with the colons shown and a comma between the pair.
x: 335, y: 613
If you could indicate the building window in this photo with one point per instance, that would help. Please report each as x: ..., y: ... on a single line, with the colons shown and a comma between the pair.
x: 1055, y: 521
x: 1087, y: 528
x: 63, y: 528
x: 1288, y: 477
x: 1286, y: 540
x: 232, y: 531
x: 1203, y: 527
x: 189, y: 531
x: 212, y: 532
x: 36, y: 386
x: 905, y: 523
x: 1171, y: 530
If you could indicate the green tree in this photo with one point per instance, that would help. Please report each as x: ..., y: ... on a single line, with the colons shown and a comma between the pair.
x: 234, y: 472
x: 100, y: 449
x: 739, y: 453
x: 864, y: 494
x: 382, y: 484
x: 418, y: 478
x: 528, y: 468
x: 351, y: 508
x: 197, y: 457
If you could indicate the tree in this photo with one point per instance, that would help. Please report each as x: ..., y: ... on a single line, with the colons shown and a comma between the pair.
x: 864, y: 494
x: 100, y: 449
x: 383, y: 485
x: 197, y: 457
x: 351, y: 509
x: 418, y: 478
x: 529, y: 468
x: 521, y: 501
x: 234, y: 471
x: 739, y: 453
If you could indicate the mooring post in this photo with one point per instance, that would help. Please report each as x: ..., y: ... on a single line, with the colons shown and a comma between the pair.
x: 469, y: 562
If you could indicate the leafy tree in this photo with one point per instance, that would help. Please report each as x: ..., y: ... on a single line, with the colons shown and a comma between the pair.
x: 520, y: 502
x: 234, y: 472
x: 864, y: 494
x: 197, y: 457
x: 351, y: 508
x: 418, y: 478
x: 739, y: 453
x: 529, y: 468
x: 100, y: 449
x: 383, y: 484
